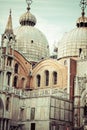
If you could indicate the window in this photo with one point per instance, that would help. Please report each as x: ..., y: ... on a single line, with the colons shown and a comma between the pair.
x: 54, y: 127
x: 9, y: 61
x: 7, y: 103
x: 80, y: 50
x: 65, y: 62
x: 21, y: 114
x: 85, y: 110
x: 54, y: 77
x: 32, y: 113
x: 32, y: 126
x: 38, y: 80
x: 23, y: 82
x: 32, y: 41
x: 8, y: 78
x: 16, y: 68
x: 47, y: 77
x: 15, y: 81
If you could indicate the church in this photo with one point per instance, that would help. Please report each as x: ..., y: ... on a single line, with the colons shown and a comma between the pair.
x: 39, y: 91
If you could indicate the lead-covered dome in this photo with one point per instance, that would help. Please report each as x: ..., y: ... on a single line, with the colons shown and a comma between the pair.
x: 31, y: 42
x: 27, y: 19
x: 74, y: 41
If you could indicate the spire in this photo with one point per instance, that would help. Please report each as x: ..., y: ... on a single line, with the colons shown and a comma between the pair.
x: 8, y: 28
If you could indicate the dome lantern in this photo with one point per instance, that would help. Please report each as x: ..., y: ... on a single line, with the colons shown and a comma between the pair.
x: 28, y: 18
x: 82, y: 21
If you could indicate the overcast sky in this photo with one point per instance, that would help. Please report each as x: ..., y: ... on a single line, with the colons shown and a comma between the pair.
x: 54, y: 17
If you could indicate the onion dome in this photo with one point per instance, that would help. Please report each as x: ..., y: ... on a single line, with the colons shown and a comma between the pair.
x: 30, y: 41
x: 76, y: 40
x: 27, y: 19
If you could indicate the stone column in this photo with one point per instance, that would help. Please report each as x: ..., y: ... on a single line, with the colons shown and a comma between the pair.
x: 1, y: 125
x: 8, y: 124
x: 5, y: 121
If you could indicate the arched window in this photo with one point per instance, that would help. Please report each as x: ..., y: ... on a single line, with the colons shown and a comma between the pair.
x: 15, y: 81
x: 9, y: 61
x: 16, y: 68
x: 1, y: 108
x: 21, y: 116
x: 46, y: 77
x: 8, y: 78
x: 38, y: 80
x: 85, y: 110
x: 80, y: 50
x: 23, y: 82
x: 54, y: 77
x: 7, y: 103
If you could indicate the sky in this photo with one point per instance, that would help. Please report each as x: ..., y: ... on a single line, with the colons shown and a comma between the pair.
x: 54, y: 17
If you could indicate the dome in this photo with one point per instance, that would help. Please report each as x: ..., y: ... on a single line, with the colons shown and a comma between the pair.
x: 74, y: 41
x: 32, y: 43
x: 27, y: 19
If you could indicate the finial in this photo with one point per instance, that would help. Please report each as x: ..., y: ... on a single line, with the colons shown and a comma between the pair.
x: 10, y: 11
x: 29, y: 2
x: 83, y: 4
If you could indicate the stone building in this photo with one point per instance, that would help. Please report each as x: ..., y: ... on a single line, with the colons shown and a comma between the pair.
x: 39, y: 92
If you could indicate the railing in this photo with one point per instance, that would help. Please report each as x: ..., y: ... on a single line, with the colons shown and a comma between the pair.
x: 36, y: 93
x: 45, y: 92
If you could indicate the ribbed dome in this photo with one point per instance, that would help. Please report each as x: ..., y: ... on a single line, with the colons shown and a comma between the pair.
x: 31, y: 43
x: 72, y: 42
x: 27, y: 19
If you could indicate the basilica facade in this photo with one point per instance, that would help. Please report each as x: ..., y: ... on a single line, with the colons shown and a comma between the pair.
x: 39, y: 91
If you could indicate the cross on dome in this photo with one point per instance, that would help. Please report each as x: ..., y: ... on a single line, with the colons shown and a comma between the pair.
x: 10, y: 11
x: 83, y: 4
x: 29, y: 2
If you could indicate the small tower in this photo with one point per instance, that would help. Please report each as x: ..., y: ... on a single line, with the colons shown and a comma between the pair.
x: 7, y: 54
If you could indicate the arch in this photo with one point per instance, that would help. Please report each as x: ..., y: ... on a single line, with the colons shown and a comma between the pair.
x: 1, y: 108
x: 51, y: 65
